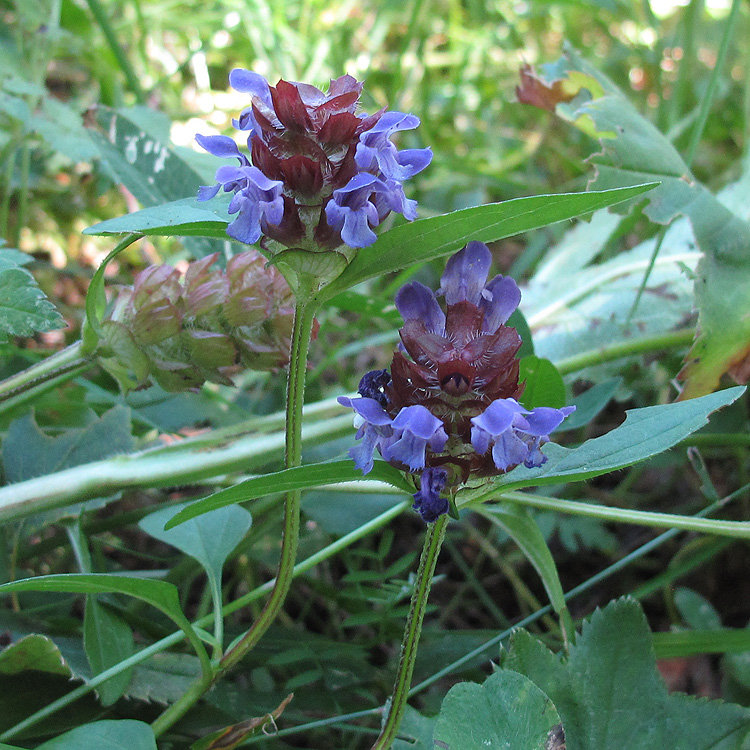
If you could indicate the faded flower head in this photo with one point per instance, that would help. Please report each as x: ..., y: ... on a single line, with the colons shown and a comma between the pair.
x: 320, y: 173
x: 448, y: 409
x: 205, y: 325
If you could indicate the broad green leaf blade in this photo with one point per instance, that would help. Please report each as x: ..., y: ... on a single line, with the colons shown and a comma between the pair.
x: 182, y: 218
x: 609, y: 693
x: 107, y: 640
x: 24, y: 308
x: 544, y: 384
x: 124, y: 734
x: 506, y: 711
x: 633, y: 151
x: 644, y: 433
x: 28, y: 452
x: 298, y: 478
x: 523, y: 529
x: 209, y: 538
x: 437, y: 236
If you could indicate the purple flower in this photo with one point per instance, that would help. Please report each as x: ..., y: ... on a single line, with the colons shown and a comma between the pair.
x: 373, y: 428
x: 427, y: 501
x: 415, y: 429
x: 376, y: 153
x: 352, y: 211
x: 515, y: 433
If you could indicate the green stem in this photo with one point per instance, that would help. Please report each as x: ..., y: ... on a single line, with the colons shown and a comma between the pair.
x: 734, y: 529
x: 301, y: 334
x: 708, y: 97
x: 430, y: 551
x: 23, y: 192
x: 153, y: 468
x: 640, y: 345
x: 10, y: 154
x: 134, y: 84
x: 66, y: 362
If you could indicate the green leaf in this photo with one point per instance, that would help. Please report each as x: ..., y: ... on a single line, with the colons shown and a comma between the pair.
x: 181, y: 218
x: 28, y: 452
x: 108, y: 640
x: 544, y: 384
x: 37, y: 652
x: 298, y: 478
x: 160, y: 594
x: 24, y: 308
x: 609, y: 693
x: 209, y: 538
x: 634, y: 151
x: 506, y: 711
x: 124, y: 734
x: 644, y: 433
x: 416, y: 731
x: 164, y: 678
x: 427, y: 239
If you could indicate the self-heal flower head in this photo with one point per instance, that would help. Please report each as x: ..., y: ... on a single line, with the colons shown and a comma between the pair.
x: 319, y: 172
x: 448, y: 411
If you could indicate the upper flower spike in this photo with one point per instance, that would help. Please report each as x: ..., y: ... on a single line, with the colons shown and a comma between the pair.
x: 324, y: 174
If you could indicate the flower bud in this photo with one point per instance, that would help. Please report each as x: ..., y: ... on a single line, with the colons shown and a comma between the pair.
x: 205, y: 325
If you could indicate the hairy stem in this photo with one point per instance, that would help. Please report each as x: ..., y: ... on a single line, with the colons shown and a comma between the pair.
x: 301, y: 333
x: 430, y: 551
x: 303, y: 322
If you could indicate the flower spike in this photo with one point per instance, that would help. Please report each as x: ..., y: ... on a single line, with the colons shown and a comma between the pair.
x: 448, y: 410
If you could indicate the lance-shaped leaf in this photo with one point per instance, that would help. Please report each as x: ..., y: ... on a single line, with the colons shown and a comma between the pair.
x: 105, y: 735
x: 298, y: 478
x: 634, y: 151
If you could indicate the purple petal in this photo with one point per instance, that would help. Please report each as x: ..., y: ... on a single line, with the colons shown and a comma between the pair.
x: 246, y: 227
x: 498, y: 417
x: 499, y: 300
x: 417, y: 420
x: 206, y: 192
x: 248, y: 82
x: 218, y: 145
x: 466, y: 273
x: 544, y: 419
x: 508, y: 451
x: 367, y: 408
x: 415, y: 301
